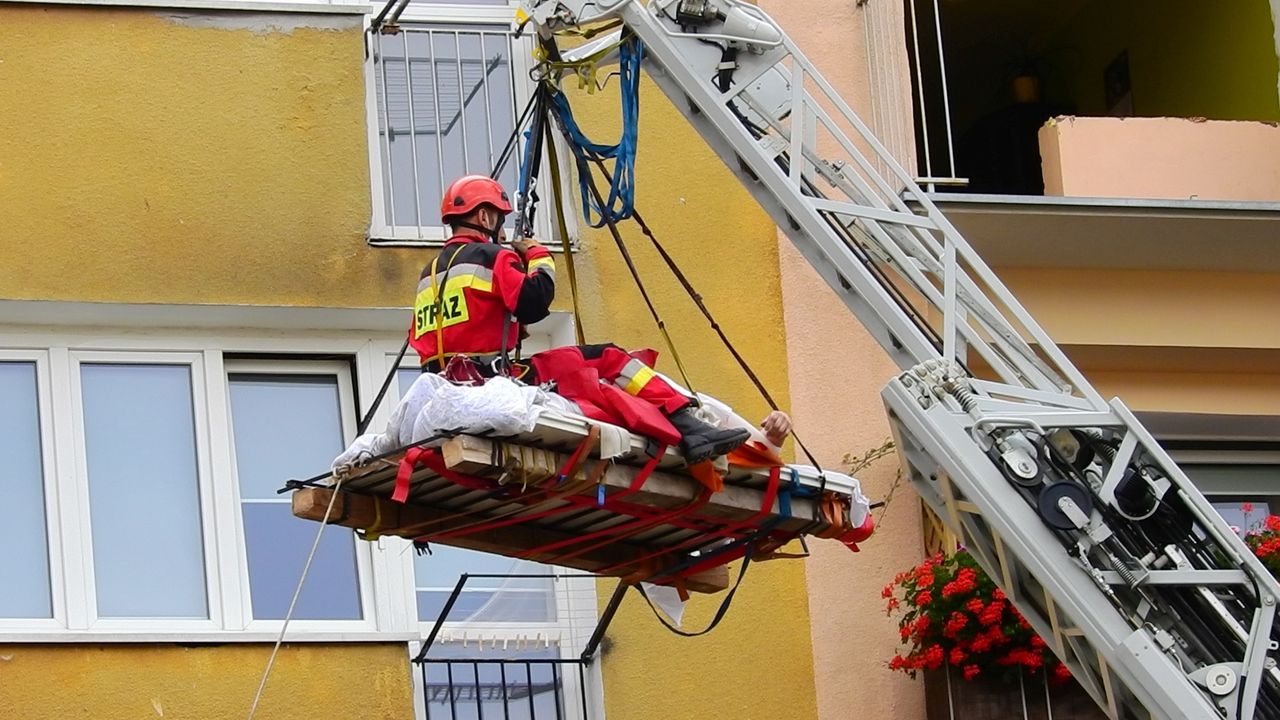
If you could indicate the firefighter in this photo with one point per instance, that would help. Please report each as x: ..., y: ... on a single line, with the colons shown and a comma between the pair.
x: 491, y: 292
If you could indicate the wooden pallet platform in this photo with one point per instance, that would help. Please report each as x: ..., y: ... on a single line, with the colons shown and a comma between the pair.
x: 521, y: 506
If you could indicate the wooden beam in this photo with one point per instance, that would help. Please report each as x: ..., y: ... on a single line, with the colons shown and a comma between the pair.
x: 365, y: 511
x: 664, y: 490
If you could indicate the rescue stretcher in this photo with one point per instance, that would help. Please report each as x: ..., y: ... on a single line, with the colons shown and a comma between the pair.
x: 547, y: 495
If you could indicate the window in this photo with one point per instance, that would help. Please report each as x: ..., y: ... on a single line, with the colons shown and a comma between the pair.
x: 144, y: 491
x: 26, y: 591
x: 1245, y: 515
x: 290, y: 425
x: 514, y: 684
x: 443, y: 98
x: 141, y: 477
x: 483, y: 599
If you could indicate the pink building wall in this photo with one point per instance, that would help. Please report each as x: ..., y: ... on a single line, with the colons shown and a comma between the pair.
x: 836, y: 371
x: 1165, y: 158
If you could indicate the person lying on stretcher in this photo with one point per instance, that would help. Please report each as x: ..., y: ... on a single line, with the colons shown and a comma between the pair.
x: 474, y: 298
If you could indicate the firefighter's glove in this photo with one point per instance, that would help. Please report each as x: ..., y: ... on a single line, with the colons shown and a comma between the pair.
x: 524, y: 245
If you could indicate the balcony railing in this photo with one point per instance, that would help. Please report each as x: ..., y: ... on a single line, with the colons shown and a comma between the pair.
x: 507, y: 688
x: 520, y: 683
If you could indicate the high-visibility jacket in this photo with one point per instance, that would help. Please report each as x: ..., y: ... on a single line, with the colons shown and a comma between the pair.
x: 484, y: 284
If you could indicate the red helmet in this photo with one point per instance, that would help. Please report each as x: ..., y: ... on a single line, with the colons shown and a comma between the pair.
x: 470, y: 192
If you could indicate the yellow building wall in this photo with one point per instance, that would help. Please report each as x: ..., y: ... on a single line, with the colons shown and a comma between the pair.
x: 105, y: 682
x: 156, y: 156
x: 153, y: 158
x: 1186, y: 58
x: 758, y: 662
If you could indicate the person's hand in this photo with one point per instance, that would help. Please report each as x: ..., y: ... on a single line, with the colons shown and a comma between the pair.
x: 524, y: 245
x: 776, y: 427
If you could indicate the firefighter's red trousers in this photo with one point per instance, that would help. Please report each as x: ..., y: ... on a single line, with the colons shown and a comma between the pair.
x: 628, y: 371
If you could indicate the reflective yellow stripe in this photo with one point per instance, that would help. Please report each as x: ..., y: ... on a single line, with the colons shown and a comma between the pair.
x: 639, y: 380
x: 478, y: 283
x: 545, y: 261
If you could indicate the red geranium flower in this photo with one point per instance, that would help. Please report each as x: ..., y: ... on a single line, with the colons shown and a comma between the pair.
x: 955, y: 615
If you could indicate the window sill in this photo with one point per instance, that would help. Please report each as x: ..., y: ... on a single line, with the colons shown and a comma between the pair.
x: 292, y: 6
x: 218, y: 637
x: 378, y: 242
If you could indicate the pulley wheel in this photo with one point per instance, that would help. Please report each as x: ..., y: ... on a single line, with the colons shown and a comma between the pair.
x: 1047, y: 504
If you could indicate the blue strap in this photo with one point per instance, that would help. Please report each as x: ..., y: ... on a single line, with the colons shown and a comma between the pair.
x: 621, y: 200
x: 784, y: 494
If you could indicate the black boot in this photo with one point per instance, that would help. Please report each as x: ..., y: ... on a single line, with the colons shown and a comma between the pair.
x: 701, y: 441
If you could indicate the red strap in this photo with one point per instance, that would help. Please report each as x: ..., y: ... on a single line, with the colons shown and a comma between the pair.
x: 431, y: 458
x: 435, y: 461
x: 619, y: 532
x: 412, y: 458
x: 730, y: 530
x: 858, y: 534
x: 766, y: 507
x: 547, y: 493
x: 636, y: 484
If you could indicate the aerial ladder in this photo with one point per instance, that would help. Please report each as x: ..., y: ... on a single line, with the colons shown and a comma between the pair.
x: 1065, y: 499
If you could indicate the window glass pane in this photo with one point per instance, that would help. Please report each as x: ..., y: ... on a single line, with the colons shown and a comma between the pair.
x: 24, y: 562
x: 144, y: 496
x: 450, y: 114
x: 524, y: 600
x: 405, y: 377
x: 1244, y: 516
x: 290, y: 426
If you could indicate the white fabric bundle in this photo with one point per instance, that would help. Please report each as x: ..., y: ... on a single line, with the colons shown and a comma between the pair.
x: 433, y: 404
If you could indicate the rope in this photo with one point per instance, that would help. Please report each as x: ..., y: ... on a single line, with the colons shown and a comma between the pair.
x: 621, y: 201
x: 553, y: 160
x: 526, y: 195
x: 584, y: 171
x: 706, y: 312
x: 720, y: 612
x: 306, y: 568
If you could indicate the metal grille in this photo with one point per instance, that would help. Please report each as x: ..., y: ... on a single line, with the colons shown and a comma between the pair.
x: 512, y: 689
x: 445, y: 108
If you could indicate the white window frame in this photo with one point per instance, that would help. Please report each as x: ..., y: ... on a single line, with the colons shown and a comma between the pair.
x: 132, y: 335
x: 85, y: 612
x: 49, y: 467
x: 363, y: 553
x: 325, y: 7
x: 58, y: 354
x: 381, y: 232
